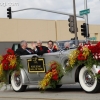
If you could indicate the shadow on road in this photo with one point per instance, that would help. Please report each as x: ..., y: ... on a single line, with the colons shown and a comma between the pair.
x: 62, y: 89
x: 57, y: 90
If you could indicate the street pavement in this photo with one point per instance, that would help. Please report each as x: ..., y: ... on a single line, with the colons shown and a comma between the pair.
x: 67, y: 92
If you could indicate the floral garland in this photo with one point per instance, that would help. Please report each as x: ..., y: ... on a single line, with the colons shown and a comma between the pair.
x: 53, y: 76
x: 88, y: 54
x: 8, y: 63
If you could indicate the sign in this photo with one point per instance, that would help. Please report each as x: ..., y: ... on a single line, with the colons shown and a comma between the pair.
x: 92, y: 38
x: 36, y: 64
x: 84, y: 12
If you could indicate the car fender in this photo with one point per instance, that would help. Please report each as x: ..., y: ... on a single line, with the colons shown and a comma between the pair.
x: 69, y: 77
x: 64, y: 62
x: 25, y: 79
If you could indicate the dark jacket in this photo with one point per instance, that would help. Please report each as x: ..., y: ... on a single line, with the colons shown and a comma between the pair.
x: 21, y: 51
x: 41, y: 50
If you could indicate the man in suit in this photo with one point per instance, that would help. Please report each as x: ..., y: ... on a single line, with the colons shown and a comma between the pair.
x: 24, y: 50
x: 51, y: 47
x: 39, y: 49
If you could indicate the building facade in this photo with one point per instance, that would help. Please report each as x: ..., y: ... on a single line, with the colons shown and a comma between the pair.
x: 34, y: 29
x: 15, y: 30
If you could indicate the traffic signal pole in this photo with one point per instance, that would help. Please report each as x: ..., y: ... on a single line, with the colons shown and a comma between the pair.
x: 75, y: 23
x: 46, y: 10
x: 86, y: 19
x: 63, y: 13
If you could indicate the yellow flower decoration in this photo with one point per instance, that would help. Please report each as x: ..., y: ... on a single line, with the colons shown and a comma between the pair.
x: 12, y: 62
x: 45, y: 81
x: 86, y: 52
x: 1, y: 58
x: 1, y: 70
x: 10, y: 57
x: 72, y: 57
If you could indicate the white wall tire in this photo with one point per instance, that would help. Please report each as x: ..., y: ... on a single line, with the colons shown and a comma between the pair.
x: 88, y: 82
x: 16, y: 82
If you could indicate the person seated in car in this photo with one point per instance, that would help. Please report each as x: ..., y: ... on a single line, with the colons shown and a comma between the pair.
x: 66, y: 45
x: 39, y: 49
x: 51, y: 47
x: 24, y: 50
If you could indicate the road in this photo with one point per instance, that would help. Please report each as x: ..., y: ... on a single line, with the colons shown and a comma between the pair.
x: 67, y: 92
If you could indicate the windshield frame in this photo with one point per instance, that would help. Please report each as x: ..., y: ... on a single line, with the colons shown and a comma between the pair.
x: 70, y: 41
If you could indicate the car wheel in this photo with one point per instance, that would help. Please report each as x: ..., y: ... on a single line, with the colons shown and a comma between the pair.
x: 16, y: 82
x: 88, y: 81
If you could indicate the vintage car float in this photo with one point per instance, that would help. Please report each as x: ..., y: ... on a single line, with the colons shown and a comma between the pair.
x: 35, y: 68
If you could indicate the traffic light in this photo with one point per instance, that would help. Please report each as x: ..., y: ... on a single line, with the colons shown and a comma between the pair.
x: 71, y: 24
x: 84, y: 30
x: 74, y: 38
x: 9, y: 15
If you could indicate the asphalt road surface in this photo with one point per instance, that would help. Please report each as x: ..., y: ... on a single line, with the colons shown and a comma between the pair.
x: 67, y: 92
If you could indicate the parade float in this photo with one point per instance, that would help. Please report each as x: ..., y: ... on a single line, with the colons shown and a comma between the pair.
x: 81, y: 64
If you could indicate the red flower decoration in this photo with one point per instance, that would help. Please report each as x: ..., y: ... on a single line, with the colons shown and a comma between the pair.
x: 54, y: 65
x: 55, y: 77
x: 5, y: 64
x: 99, y: 72
x: 5, y: 56
x: 80, y: 47
x: 54, y: 71
x: 81, y: 57
x: 12, y: 67
x: 55, y: 47
x: 10, y: 51
x: 6, y: 60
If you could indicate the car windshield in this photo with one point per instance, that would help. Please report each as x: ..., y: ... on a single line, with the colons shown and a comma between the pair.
x: 61, y: 44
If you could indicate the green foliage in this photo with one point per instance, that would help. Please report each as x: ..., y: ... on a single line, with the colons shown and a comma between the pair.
x: 19, y: 64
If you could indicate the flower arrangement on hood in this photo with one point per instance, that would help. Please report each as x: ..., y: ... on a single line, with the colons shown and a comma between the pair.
x: 88, y: 54
x: 8, y: 63
x: 52, y: 76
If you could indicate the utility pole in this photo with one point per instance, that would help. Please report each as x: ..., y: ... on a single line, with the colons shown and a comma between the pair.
x: 75, y: 23
x: 86, y: 19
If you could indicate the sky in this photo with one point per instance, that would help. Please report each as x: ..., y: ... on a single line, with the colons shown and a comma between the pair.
x: 56, y: 5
